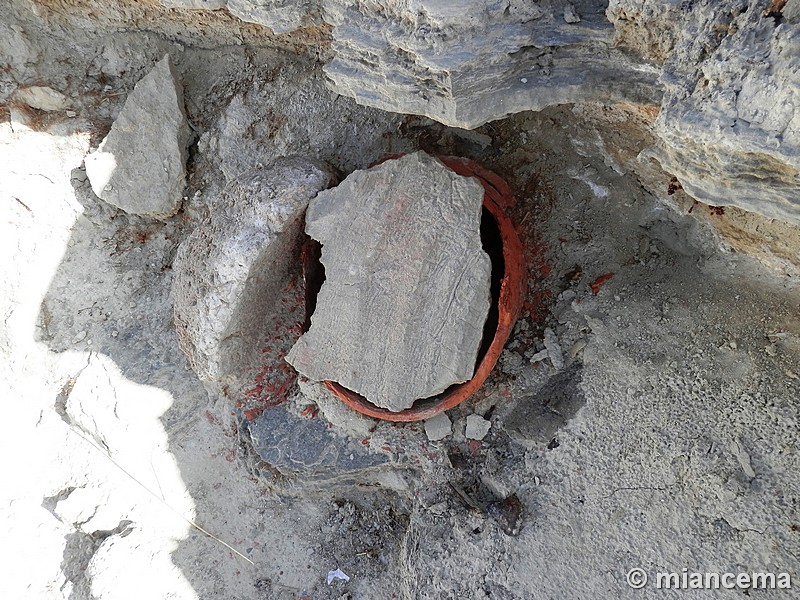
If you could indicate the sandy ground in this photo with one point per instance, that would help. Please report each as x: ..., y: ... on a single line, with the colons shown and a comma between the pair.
x: 668, y: 441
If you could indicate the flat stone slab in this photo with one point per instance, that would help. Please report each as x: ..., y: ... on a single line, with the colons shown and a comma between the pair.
x: 140, y: 166
x: 298, y: 446
x: 400, y: 316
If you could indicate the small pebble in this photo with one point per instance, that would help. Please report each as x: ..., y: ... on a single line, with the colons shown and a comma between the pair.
x: 439, y: 508
x: 571, y: 15
x: 477, y: 427
x: 524, y: 80
x: 568, y: 295
x: 438, y: 427
x: 540, y: 356
x: 577, y: 348
x: 553, y: 348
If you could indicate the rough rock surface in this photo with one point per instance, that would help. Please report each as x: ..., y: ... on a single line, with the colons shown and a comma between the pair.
x: 140, y: 166
x: 279, y: 15
x: 729, y: 127
x: 438, y: 427
x: 228, y: 271
x: 42, y: 98
x: 271, y: 119
x: 307, y: 447
x: 401, y: 313
x: 471, y: 62
x: 648, y: 28
x: 729, y: 123
x: 477, y: 427
x: 536, y: 417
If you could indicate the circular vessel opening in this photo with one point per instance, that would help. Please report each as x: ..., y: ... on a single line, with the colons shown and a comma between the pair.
x: 500, y: 241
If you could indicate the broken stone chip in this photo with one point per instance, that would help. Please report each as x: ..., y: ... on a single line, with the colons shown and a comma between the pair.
x: 400, y: 316
x: 140, y: 166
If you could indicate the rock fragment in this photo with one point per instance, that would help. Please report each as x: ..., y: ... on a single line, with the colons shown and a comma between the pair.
x: 467, y: 63
x: 507, y: 513
x: 281, y: 16
x: 140, y: 166
x: 43, y: 98
x: 553, y: 348
x: 540, y: 356
x: 744, y: 458
x: 295, y: 446
x: 438, y: 427
x: 571, y: 15
x: 477, y: 427
x: 229, y: 272
x: 400, y: 316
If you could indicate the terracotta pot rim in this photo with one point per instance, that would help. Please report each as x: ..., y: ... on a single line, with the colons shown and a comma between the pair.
x: 497, y: 197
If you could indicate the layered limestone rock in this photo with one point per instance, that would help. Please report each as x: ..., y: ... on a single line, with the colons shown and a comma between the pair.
x: 140, y: 166
x: 469, y: 62
x: 729, y: 126
x: 230, y: 270
x: 729, y: 123
x: 195, y: 4
x: 401, y: 313
x: 463, y: 63
x: 279, y: 15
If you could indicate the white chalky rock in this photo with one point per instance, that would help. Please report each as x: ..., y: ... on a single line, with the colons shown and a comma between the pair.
x: 140, y: 166
x: 477, y: 427
x: 438, y: 427
x: 43, y: 98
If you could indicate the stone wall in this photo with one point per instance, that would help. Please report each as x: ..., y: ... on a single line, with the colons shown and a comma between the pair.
x: 725, y: 74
